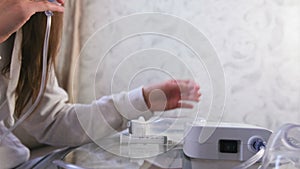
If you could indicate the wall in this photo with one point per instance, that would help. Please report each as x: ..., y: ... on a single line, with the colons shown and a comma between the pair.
x: 257, y: 43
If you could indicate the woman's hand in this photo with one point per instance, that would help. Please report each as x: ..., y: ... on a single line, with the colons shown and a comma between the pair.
x: 15, y: 13
x: 171, y: 95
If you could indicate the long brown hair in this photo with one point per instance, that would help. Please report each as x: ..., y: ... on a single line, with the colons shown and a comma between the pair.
x: 32, y: 52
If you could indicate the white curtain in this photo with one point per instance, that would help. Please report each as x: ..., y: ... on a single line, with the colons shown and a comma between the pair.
x: 70, y: 48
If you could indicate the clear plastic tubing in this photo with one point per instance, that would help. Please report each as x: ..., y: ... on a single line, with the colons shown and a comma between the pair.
x: 43, y: 80
x: 251, y: 161
x: 283, y: 149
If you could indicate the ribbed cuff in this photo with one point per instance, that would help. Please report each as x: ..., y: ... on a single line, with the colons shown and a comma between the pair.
x: 132, y: 105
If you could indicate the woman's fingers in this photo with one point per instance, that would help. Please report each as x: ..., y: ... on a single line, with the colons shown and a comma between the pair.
x: 193, y: 97
x: 184, y: 105
x: 187, y: 86
x: 40, y: 6
x: 15, y: 13
x: 189, y: 90
x: 62, y: 2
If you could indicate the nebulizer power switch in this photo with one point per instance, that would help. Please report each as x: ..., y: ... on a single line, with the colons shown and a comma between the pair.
x: 228, y: 146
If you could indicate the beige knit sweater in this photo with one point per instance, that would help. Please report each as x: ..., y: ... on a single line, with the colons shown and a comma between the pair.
x: 56, y: 122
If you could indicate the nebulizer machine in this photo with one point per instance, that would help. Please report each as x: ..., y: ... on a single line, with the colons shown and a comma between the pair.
x: 49, y: 15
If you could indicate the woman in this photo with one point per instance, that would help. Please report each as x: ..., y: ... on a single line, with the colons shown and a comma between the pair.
x: 54, y: 121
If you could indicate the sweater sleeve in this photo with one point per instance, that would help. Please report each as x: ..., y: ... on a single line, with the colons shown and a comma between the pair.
x: 58, y: 123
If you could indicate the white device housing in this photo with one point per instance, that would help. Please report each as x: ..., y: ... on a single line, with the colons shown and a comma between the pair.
x: 227, y: 142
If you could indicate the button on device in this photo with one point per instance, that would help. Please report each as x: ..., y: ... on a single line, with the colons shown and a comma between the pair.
x: 228, y: 146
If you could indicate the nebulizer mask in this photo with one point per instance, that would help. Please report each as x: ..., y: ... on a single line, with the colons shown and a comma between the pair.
x: 49, y: 15
x: 283, y: 149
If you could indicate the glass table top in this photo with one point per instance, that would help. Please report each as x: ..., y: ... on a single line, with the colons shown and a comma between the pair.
x: 113, y: 155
